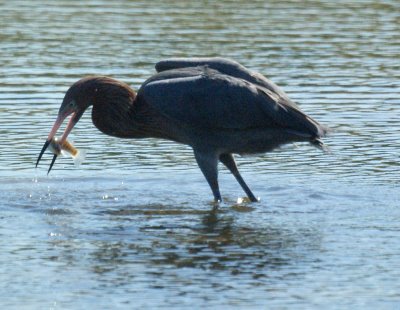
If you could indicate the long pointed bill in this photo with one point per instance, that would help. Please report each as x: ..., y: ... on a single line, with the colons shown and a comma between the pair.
x: 52, y: 163
x: 71, y: 124
x: 45, y: 146
x: 53, y: 131
x: 56, y: 126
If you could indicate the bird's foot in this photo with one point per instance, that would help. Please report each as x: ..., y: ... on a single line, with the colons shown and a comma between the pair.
x: 247, y: 199
x: 216, y: 203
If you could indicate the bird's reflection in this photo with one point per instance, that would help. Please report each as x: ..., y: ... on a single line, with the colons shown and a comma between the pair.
x: 210, y: 220
x: 159, y: 237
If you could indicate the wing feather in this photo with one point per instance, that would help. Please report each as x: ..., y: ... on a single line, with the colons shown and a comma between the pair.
x: 204, y: 97
x: 226, y: 66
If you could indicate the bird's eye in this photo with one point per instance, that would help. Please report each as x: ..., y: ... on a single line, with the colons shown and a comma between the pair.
x: 72, y: 104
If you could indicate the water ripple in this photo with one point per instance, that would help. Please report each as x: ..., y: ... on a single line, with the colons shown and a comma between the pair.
x: 115, y: 234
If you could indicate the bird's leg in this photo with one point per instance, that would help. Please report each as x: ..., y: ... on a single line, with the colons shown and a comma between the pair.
x: 208, y: 163
x: 229, y: 162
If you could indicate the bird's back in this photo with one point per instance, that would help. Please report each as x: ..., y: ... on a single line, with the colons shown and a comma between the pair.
x: 206, y: 98
x: 225, y: 66
x: 234, y: 69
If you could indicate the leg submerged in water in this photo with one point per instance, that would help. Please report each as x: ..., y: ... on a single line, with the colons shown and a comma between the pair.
x: 229, y: 162
x: 208, y: 163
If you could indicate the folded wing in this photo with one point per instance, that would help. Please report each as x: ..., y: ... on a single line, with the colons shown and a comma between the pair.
x: 207, y: 98
x: 225, y: 66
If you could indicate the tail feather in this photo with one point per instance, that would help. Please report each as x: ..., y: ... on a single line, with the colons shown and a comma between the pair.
x: 321, y: 145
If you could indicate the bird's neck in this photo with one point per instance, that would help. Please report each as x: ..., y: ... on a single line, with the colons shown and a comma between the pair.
x: 117, y: 111
x: 113, y: 112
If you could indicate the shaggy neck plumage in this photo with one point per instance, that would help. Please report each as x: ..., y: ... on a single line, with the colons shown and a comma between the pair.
x: 117, y: 111
x: 113, y: 108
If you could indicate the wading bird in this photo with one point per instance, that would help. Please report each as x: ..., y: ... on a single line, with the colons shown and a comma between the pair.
x: 215, y: 105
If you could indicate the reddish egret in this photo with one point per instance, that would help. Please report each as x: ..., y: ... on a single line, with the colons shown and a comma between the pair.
x: 215, y: 105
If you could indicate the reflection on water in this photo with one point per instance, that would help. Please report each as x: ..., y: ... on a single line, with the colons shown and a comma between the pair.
x: 298, y: 242
x: 217, y: 243
x: 200, y: 243
x: 134, y: 227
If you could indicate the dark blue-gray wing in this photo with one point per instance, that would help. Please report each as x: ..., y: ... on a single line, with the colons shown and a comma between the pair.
x: 225, y: 66
x: 205, y: 98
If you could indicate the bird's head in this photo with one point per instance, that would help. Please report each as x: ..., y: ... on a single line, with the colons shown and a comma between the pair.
x: 77, y: 99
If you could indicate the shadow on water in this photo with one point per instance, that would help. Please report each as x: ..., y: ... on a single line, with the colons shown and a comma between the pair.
x: 156, y: 239
x: 219, y: 243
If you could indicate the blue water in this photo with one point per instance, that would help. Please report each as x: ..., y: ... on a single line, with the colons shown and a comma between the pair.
x: 135, y: 227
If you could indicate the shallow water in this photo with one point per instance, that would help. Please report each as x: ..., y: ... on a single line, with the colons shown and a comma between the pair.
x: 134, y: 226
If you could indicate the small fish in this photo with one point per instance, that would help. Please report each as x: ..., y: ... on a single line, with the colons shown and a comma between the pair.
x: 61, y: 149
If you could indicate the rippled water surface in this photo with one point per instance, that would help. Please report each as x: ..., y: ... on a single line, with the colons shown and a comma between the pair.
x: 134, y: 226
